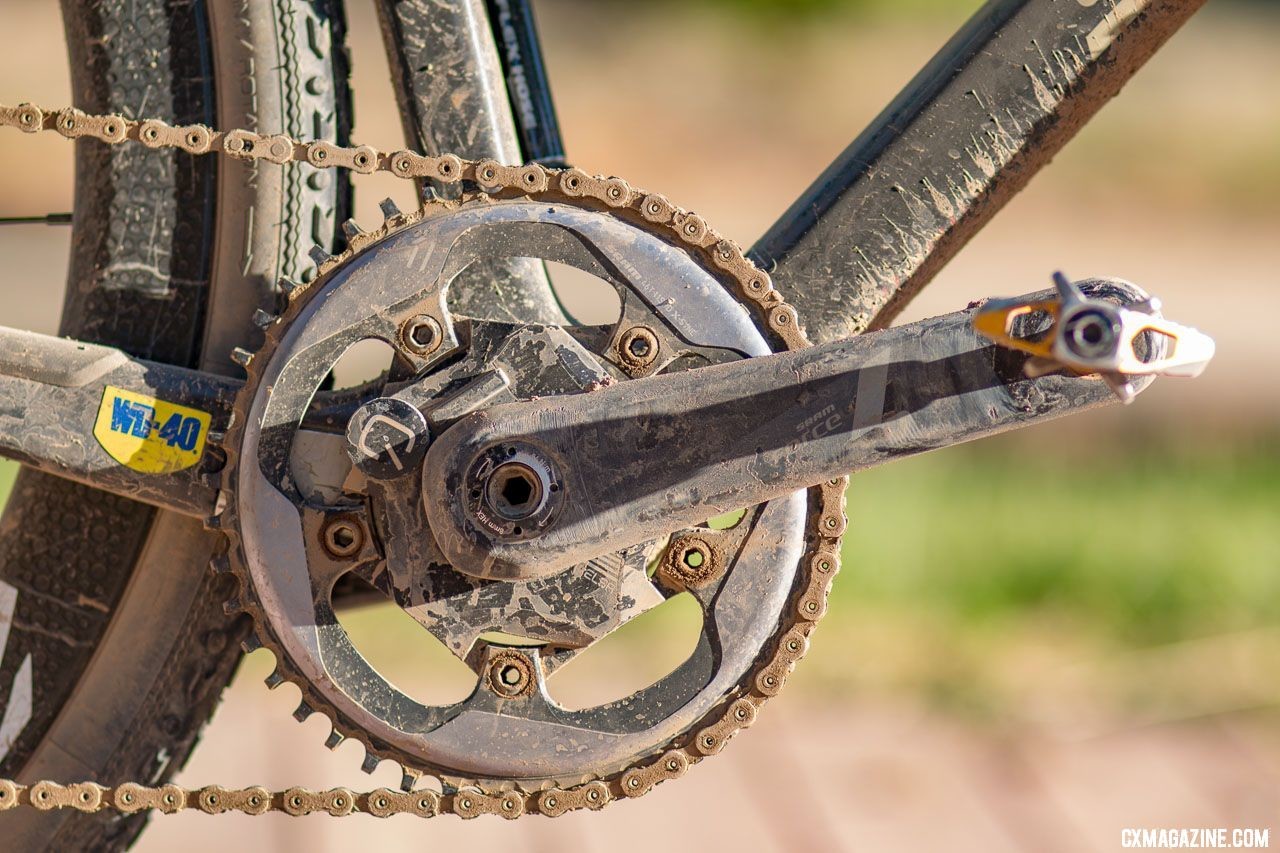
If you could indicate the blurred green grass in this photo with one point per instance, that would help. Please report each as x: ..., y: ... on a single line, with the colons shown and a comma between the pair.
x: 8, y: 470
x: 1139, y: 545
x: 1140, y: 579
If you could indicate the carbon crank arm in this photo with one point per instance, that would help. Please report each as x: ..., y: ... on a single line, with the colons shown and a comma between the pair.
x: 550, y: 483
x: 630, y: 461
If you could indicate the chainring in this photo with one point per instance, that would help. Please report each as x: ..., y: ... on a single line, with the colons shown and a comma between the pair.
x: 766, y: 595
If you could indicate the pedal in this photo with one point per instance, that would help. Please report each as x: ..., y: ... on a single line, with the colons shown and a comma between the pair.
x: 1090, y: 336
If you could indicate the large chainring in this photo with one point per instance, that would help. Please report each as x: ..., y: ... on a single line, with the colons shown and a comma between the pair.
x: 510, y: 748
x: 296, y: 523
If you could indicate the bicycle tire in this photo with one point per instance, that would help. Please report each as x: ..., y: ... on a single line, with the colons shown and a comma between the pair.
x: 116, y: 617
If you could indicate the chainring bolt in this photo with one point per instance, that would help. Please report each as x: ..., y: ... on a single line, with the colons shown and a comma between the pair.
x: 638, y: 347
x: 342, y: 538
x: 421, y: 334
x: 511, y: 674
x: 690, y: 562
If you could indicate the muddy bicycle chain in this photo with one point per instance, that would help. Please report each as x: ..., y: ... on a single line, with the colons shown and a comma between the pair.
x: 818, y: 567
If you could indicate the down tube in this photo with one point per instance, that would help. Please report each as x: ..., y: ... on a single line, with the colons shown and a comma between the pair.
x: 993, y: 107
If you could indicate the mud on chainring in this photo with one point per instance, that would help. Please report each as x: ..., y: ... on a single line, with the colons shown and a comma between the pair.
x: 800, y: 597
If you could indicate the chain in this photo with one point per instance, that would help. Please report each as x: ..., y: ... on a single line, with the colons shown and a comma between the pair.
x: 819, y: 566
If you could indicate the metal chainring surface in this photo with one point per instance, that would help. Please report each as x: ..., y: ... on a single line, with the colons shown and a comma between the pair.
x: 764, y: 580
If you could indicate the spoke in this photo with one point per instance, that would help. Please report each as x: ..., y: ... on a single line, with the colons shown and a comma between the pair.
x: 1000, y: 99
x: 452, y: 97
x: 47, y: 219
x: 93, y: 414
x: 638, y: 460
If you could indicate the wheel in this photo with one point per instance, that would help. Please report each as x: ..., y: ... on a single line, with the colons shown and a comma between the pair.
x: 118, y: 645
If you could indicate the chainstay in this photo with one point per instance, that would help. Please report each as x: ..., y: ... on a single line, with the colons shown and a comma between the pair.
x: 818, y: 567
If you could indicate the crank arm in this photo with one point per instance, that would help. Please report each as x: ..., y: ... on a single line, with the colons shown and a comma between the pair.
x: 639, y: 460
x: 95, y: 415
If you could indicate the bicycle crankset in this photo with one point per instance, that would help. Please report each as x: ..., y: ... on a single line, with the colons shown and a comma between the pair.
x: 520, y: 479
x: 523, y: 490
x: 298, y: 524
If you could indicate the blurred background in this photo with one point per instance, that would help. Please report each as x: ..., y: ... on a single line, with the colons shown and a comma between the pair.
x: 1035, y: 640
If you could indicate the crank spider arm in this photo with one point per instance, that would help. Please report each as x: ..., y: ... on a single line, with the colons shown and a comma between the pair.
x: 636, y: 461
x: 93, y: 414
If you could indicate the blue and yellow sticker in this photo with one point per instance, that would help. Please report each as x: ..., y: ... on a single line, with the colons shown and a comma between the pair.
x: 149, y: 435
